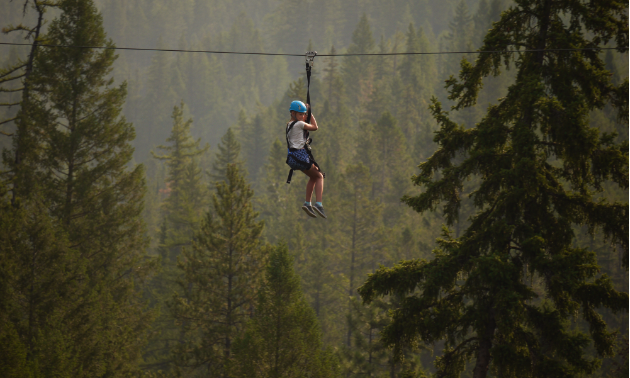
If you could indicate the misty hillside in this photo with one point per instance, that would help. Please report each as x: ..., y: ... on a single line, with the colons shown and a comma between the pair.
x: 476, y: 204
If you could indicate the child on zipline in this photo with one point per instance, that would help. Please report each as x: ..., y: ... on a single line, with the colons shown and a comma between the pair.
x: 298, y: 158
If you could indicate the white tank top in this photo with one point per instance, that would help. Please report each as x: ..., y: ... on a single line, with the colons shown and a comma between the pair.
x: 296, y: 135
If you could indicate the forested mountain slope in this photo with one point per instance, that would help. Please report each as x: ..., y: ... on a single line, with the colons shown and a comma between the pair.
x: 208, y: 170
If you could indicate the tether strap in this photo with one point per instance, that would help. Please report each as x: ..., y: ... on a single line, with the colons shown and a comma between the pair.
x: 290, y: 176
x: 287, y: 135
x: 289, y: 149
x: 308, y: 92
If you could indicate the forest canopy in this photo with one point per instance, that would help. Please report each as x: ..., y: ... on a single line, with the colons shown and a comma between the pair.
x: 477, y: 202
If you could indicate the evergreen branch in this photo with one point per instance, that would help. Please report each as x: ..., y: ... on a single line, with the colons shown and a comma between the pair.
x: 460, y: 346
x: 9, y: 72
x: 20, y: 27
x: 12, y: 78
x: 11, y: 90
x: 50, y: 4
x: 8, y: 120
x: 6, y: 134
x: 10, y: 104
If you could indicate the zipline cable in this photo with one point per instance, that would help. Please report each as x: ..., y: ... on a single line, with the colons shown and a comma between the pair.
x: 302, y: 55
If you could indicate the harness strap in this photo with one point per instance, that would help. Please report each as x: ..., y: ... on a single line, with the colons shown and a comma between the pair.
x: 289, y: 149
x: 287, y: 135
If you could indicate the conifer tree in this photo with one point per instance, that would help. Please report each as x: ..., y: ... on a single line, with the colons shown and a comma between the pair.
x: 82, y: 168
x: 283, y: 338
x: 482, y: 22
x: 187, y: 195
x: 229, y: 153
x: 181, y: 214
x: 458, y: 37
x: 279, y: 25
x: 16, y: 79
x: 38, y: 292
x: 334, y: 140
x: 358, y: 234
x: 256, y: 141
x: 417, y: 74
x: 388, y: 159
x: 157, y: 103
x: 541, y: 165
x: 277, y: 198
x: 220, y: 276
x: 332, y: 80
x: 368, y: 357
x: 357, y: 70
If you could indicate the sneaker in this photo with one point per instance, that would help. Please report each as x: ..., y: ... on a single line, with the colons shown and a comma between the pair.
x: 308, y: 209
x: 320, y: 210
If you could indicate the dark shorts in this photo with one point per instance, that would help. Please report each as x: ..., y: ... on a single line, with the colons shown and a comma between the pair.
x: 299, y: 160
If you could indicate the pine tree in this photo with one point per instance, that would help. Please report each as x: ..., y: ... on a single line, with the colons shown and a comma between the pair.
x: 187, y: 197
x: 156, y: 104
x: 280, y: 26
x: 38, y: 292
x: 358, y: 234
x: 368, y: 357
x: 458, y: 38
x: 334, y: 139
x: 482, y: 22
x: 181, y: 215
x: 277, y: 200
x: 82, y: 170
x: 416, y: 84
x: 16, y: 79
x: 357, y: 70
x: 256, y: 141
x: 541, y: 166
x: 388, y: 159
x: 229, y: 153
x: 283, y: 339
x: 220, y: 276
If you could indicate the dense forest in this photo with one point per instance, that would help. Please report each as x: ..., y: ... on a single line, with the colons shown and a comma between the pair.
x: 477, y: 202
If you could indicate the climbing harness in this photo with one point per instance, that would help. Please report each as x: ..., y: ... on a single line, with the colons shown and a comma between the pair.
x: 310, y: 58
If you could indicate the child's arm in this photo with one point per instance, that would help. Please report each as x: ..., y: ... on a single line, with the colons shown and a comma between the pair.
x: 311, y: 126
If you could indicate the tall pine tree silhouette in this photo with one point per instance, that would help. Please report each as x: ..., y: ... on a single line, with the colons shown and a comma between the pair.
x: 541, y: 166
x: 84, y: 172
x: 220, y: 276
x: 283, y: 339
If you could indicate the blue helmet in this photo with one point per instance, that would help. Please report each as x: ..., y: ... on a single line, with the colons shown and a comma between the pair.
x: 298, y: 106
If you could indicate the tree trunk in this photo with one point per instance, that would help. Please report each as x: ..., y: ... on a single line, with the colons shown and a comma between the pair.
x: 21, y: 133
x: 352, y: 259
x: 483, y: 351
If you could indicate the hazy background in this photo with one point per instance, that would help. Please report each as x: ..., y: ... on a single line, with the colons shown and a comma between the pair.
x: 350, y: 96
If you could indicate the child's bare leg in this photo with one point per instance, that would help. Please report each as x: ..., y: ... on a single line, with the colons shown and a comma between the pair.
x: 316, y: 180
x: 309, y: 189
x: 319, y: 188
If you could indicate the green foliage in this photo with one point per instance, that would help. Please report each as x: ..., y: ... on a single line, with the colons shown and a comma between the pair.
x: 15, y: 91
x: 356, y: 70
x: 351, y: 96
x: 220, y: 276
x: 181, y: 216
x: 38, y: 321
x: 187, y: 194
x: 229, y: 154
x: 386, y: 153
x: 86, y: 317
x: 540, y: 165
x: 283, y: 338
